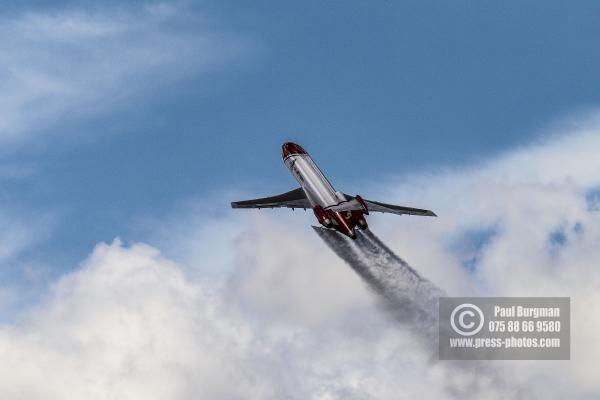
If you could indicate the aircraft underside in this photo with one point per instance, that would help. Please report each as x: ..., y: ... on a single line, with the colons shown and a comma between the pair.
x: 342, y: 221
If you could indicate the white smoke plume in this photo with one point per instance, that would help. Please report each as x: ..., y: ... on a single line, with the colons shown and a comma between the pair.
x: 410, y: 298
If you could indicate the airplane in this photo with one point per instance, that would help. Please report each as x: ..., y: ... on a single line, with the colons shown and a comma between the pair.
x: 333, y: 209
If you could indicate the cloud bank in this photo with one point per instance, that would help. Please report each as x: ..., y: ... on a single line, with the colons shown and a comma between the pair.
x: 287, y: 319
x: 129, y: 324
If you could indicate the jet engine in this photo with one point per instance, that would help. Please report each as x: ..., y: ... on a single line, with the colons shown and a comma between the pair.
x: 323, y: 216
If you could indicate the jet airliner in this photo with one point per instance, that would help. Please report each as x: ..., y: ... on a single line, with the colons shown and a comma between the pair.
x: 333, y: 209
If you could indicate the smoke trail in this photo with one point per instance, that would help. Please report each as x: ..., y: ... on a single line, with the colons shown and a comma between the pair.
x: 413, y: 301
x: 407, y: 296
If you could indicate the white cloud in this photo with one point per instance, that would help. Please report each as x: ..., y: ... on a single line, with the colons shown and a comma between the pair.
x: 292, y: 321
x: 127, y: 325
x: 71, y: 64
x: 130, y: 325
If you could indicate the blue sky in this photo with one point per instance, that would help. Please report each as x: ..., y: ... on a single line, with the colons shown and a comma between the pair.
x: 372, y: 90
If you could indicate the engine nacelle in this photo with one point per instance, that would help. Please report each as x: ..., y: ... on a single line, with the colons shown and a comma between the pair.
x: 323, y: 216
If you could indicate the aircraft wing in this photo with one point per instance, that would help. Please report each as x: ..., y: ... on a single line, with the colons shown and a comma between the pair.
x: 375, y: 206
x: 293, y: 199
x: 390, y: 208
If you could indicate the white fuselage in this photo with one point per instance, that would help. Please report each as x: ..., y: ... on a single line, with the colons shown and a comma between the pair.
x: 317, y: 188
